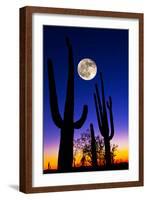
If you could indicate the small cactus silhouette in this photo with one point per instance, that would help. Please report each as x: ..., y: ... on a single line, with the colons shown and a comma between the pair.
x: 102, y: 118
x: 93, y: 146
x: 66, y: 124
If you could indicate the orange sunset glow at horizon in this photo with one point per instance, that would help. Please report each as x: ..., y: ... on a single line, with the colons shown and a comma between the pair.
x: 51, y: 160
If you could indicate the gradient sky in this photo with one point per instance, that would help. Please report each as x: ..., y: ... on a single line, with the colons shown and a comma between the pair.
x: 109, y: 49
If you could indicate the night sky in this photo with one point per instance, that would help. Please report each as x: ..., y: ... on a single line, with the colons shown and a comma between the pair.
x: 109, y: 49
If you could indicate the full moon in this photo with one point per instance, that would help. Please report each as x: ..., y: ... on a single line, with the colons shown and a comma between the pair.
x: 87, y: 69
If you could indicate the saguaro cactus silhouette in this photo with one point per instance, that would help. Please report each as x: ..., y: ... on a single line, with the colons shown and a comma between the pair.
x: 102, y: 118
x: 93, y: 146
x: 66, y: 124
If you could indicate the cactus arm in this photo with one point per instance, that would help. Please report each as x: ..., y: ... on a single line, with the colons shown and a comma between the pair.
x: 92, y: 130
x: 68, y: 42
x: 98, y: 115
x: 53, y: 96
x: 98, y: 100
x: 93, y: 146
x: 105, y: 118
x: 78, y: 124
x: 103, y: 95
x: 69, y: 102
x: 92, y: 133
x: 109, y: 106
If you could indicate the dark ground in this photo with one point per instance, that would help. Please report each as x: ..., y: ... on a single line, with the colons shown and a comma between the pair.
x: 120, y: 166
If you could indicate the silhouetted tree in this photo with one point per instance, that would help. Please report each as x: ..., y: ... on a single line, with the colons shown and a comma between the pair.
x: 113, y: 153
x: 83, y: 160
x: 66, y: 124
x: 100, y: 151
x: 82, y: 149
x: 102, y: 118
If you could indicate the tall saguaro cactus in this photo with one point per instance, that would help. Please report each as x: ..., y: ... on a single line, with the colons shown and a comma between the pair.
x: 102, y: 118
x: 93, y: 146
x: 66, y: 124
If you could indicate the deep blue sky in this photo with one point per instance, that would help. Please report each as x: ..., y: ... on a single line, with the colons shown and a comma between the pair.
x: 109, y: 49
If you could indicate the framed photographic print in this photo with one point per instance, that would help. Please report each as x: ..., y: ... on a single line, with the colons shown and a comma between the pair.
x: 81, y: 99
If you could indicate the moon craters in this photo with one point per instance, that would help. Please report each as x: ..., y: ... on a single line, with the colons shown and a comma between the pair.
x: 87, y: 69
